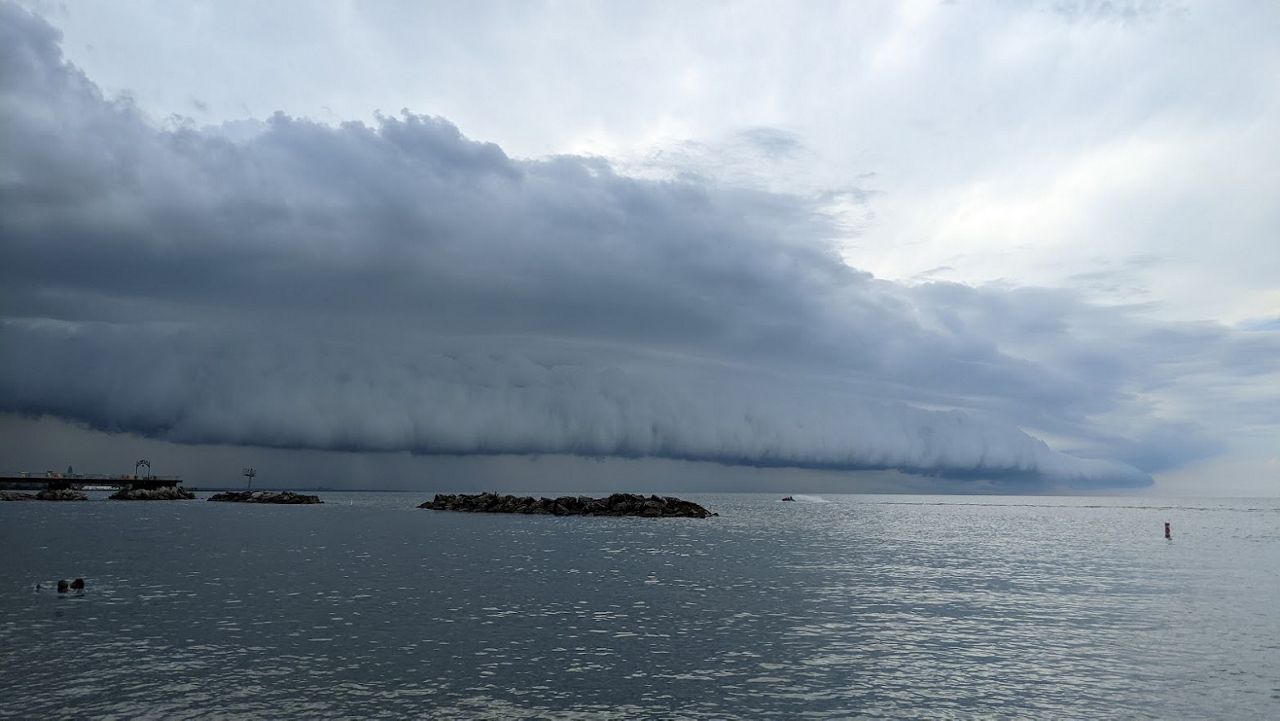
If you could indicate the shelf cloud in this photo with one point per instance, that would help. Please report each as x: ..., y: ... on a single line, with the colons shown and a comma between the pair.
x: 398, y: 286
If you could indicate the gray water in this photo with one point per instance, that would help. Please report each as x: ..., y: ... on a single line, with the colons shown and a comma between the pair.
x: 865, y: 606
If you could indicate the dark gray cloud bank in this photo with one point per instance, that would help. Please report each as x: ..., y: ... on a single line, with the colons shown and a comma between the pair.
x: 400, y: 287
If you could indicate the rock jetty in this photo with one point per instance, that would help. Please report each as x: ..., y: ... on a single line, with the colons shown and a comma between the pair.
x: 15, y: 496
x: 162, y: 493
x: 619, y: 504
x: 60, y: 494
x: 287, y: 497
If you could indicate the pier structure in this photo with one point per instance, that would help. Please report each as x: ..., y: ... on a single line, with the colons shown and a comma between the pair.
x: 54, y: 480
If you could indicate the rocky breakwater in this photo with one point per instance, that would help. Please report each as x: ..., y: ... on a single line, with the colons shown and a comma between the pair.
x: 286, y: 497
x: 163, y: 493
x: 60, y: 494
x: 618, y: 504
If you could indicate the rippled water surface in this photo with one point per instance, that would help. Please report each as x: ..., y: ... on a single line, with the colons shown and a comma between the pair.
x: 863, y: 606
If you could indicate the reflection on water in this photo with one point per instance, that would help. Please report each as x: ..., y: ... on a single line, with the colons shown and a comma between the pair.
x: 894, y: 606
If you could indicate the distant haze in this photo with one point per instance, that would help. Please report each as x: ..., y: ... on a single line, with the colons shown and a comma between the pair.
x: 402, y: 295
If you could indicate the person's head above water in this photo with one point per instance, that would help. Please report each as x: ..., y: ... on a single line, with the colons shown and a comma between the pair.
x: 77, y: 585
x: 63, y: 587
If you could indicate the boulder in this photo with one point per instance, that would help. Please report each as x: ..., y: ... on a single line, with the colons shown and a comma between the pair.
x: 285, y: 497
x: 160, y: 493
x: 618, y: 504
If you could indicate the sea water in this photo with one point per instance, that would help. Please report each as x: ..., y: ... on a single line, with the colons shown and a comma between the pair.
x: 863, y: 606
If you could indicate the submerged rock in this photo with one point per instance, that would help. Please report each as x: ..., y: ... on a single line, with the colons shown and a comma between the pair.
x: 618, y: 504
x: 161, y: 493
x: 287, y: 497
x: 60, y: 494
x: 15, y: 496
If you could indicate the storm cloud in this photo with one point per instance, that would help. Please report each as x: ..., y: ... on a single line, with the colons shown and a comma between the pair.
x: 397, y: 286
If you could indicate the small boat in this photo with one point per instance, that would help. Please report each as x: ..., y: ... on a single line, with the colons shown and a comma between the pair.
x: 788, y: 498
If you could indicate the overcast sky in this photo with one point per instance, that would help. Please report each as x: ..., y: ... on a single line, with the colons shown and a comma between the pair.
x: 852, y: 246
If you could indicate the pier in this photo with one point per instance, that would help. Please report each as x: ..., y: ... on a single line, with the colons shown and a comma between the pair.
x: 81, y: 481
